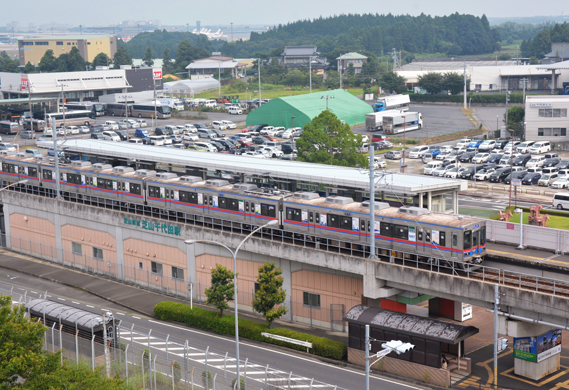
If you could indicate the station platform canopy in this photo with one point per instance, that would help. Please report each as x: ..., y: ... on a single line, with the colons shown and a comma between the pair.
x: 397, y: 183
x: 278, y: 112
x: 7, y: 102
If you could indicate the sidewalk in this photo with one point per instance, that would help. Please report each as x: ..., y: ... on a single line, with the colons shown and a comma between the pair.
x: 134, y: 299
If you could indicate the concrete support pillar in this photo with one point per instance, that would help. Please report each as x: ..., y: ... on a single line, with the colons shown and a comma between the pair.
x: 420, y: 200
x: 58, y: 238
x: 7, y: 228
x: 553, y: 81
x: 120, y: 251
x: 429, y: 201
x: 287, y: 284
x: 455, y: 202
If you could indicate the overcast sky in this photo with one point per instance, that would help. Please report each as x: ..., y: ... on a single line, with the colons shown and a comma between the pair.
x: 269, y: 12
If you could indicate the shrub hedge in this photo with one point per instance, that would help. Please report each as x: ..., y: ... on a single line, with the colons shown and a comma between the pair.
x: 210, y: 320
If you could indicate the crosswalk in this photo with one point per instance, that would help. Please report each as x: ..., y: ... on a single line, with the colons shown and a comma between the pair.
x: 223, y: 365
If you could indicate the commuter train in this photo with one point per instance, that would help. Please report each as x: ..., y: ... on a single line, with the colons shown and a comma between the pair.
x: 411, y: 230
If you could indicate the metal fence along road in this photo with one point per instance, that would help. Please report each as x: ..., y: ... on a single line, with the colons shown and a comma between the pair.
x: 148, y: 359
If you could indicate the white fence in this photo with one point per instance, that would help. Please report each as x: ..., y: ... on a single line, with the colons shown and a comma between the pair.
x: 553, y: 240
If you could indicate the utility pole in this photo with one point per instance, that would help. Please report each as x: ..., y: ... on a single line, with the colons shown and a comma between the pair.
x: 30, y: 106
x: 465, y: 85
x: 404, y: 143
x: 511, y: 169
x: 367, y: 348
x: 517, y: 55
x: 63, y: 109
x: 372, y: 202
x: 310, y: 73
x: 292, y: 135
x: 259, y: 71
x: 107, y: 355
x: 56, y: 158
x: 126, y: 114
x: 231, y: 31
x: 154, y: 119
x: 219, y: 74
x: 496, y: 303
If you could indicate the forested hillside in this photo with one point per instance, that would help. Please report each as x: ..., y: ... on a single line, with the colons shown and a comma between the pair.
x: 454, y: 35
x: 541, y: 43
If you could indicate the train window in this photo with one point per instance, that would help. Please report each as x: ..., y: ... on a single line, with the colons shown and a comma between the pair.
x: 210, y: 200
x: 333, y: 220
x: 467, y: 239
x: 363, y: 225
x: 234, y: 204
x: 454, y: 240
x: 222, y: 203
x: 475, y: 239
x: 167, y: 193
x: 135, y: 189
x: 311, y: 217
x: 247, y: 206
x: 171, y: 194
x: 420, y: 235
x: 345, y: 223
x: 386, y: 229
x: 401, y: 232
x: 90, y: 181
x: 293, y: 214
x: 33, y: 172
x: 318, y: 218
x: 184, y: 197
x: 428, y: 236
x: 153, y: 192
x: 109, y: 184
x: 193, y: 198
x: 442, y: 238
x: 268, y: 210
x: 483, y: 235
x: 46, y: 174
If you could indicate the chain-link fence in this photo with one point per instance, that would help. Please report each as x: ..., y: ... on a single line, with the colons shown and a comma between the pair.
x: 147, y: 359
x: 303, y: 312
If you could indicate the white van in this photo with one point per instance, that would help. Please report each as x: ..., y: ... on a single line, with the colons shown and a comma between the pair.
x: 173, y: 129
x: 431, y: 166
x: 137, y: 141
x: 112, y: 124
x: 540, y: 147
x: 218, y: 125
x: 111, y: 136
x: 190, y: 128
x: 561, y: 201
x: 235, y: 110
x: 418, y: 151
x: 157, y: 140
x: 536, y: 161
x: 210, y: 103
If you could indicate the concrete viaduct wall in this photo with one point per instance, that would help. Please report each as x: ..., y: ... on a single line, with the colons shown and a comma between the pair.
x: 380, y: 279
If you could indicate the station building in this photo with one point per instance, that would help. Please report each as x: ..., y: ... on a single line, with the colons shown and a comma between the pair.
x: 33, y: 49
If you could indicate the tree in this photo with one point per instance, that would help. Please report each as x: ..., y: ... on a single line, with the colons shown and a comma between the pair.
x: 122, y: 58
x: 47, y: 62
x: 186, y: 53
x: 516, y: 116
x: 75, y: 62
x: 270, y: 293
x: 167, y: 66
x: 148, y: 58
x: 29, y: 68
x: 392, y: 82
x: 326, y: 133
x: 431, y: 82
x: 351, y: 70
x: 8, y: 64
x: 453, y: 82
x: 221, y: 290
x: 101, y: 59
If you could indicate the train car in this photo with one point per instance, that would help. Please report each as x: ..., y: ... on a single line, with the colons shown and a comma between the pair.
x: 19, y: 166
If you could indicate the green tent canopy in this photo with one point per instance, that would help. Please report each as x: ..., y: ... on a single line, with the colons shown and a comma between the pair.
x: 304, y: 108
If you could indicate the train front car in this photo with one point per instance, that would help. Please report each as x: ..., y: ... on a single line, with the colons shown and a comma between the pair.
x: 473, y: 240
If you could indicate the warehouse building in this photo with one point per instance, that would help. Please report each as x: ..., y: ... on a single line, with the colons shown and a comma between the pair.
x: 33, y: 49
x: 546, y: 118
x: 278, y: 112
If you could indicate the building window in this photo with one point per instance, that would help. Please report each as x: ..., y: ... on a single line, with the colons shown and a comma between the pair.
x: 68, y: 43
x: 553, y: 113
x: 97, y: 253
x: 257, y: 288
x: 551, y: 132
x: 76, y: 248
x: 177, y: 273
x: 310, y: 299
x: 42, y: 43
x: 156, y: 268
x: 140, y: 265
x: 59, y: 43
x: 27, y: 43
x: 88, y: 43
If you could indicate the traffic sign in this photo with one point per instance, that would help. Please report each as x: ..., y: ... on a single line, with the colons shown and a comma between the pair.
x: 517, y: 182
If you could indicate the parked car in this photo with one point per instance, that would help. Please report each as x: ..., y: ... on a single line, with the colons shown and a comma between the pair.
x: 190, y: 137
x: 141, y: 123
x: 427, y: 158
x: 123, y: 134
x: 97, y: 136
x: 439, y: 171
x: 473, y: 146
x: 442, y: 155
x: 511, y: 146
x: 176, y: 138
x: 382, y: 145
x: 467, y: 157
x: 468, y: 173
x: 494, y: 158
x: 230, y: 125
x: 547, y: 179
x: 72, y: 130
x: 500, y: 144
x: 484, y: 174
x: 551, y: 162
x: 540, y: 147
x: 112, y: 124
x: 487, y: 146
x: 531, y: 178
x: 454, y: 172
x: 7, y: 146
x: 98, y: 128
x: 524, y: 146
x: 111, y: 136
x: 218, y: 125
x: 51, y: 152
x: 394, y: 155
x: 32, y: 153
x: 206, y: 133
x: 418, y: 151
x: 499, y: 175
x: 233, y: 110
x: 518, y: 175
x: 137, y: 141
x: 480, y: 158
x: 431, y: 166
x: 141, y: 133
x: 561, y: 182
x: 196, y: 148
x: 535, y: 162
x: 463, y: 143
x: 28, y: 134
x: 522, y: 160
x: 207, y: 146
x: 84, y: 129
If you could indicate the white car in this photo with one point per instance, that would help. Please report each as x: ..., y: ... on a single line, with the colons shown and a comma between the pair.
x: 112, y: 124
x: 130, y: 123
x: 207, y: 146
x: 72, y: 130
x: 487, y: 146
x: 418, y: 151
x: 379, y: 163
x: 484, y: 174
x: 288, y: 133
x: 453, y: 172
x: 562, y: 182
x: 440, y: 171
x: 257, y: 154
x: 190, y: 128
x: 524, y: 146
x: 480, y: 158
x: 84, y: 129
x: 60, y: 131
x: 463, y: 143
x: 540, y: 147
x: 535, y: 162
x: 431, y: 166
x: 443, y: 154
x: 273, y: 152
x: 190, y: 137
x: 141, y: 123
x: 229, y: 125
x: 269, y: 130
x: 218, y: 125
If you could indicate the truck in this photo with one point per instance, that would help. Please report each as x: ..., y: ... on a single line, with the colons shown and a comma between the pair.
x: 374, y: 121
x: 173, y: 103
x: 385, y: 103
x: 403, y: 122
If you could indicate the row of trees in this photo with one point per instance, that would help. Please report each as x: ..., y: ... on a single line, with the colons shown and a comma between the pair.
x: 24, y: 366
x: 267, y: 300
x: 450, y: 82
x: 540, y: 44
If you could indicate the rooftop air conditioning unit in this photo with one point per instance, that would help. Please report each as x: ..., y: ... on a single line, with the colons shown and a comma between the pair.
x: 191, y: 179
x: 101, y: 166
x: 81, y: 164
x: 305, y: 195
x: 339, y: 200
x: 216, y: 183
x: 145, y: 173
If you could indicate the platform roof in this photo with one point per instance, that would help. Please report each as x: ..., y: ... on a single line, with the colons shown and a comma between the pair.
x: 427, y: 328
x: 279, y: 169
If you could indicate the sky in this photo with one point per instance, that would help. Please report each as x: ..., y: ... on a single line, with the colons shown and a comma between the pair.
x: 254, y: 12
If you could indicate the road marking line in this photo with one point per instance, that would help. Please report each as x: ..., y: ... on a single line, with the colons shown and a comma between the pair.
x: 61, y: 299
x: 289, y: 355
x: 120, y: 314
x: 77, y: 303
x: 105, y: 309
x: 91, y: 306
x: 49, y: 296
x: 33, y: 292
x: 138, y: 318
x: 549, y: 258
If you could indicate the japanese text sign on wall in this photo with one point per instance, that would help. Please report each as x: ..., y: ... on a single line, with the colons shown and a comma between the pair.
x: 156, y: 227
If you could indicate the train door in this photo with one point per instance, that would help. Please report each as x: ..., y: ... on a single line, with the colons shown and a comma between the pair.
x: 312, y: 221
x: 475, y: 240
x: 247, y: 206
x: 454, y: 245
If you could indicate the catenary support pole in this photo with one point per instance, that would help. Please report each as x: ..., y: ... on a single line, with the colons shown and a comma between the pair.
x: 367, y: 357
x: 371, y: 202
x: 496, y: 303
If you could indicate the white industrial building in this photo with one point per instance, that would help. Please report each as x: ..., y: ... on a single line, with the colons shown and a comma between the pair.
x: 546, y: 118
x: 492, y: 76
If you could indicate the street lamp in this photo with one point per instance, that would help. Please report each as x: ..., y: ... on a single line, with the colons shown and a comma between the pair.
x: 388, y: 346
x: 521, y: 246
x: 234, y: 254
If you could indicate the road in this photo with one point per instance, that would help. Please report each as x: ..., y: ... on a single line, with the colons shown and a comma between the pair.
x: 303, y: 366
